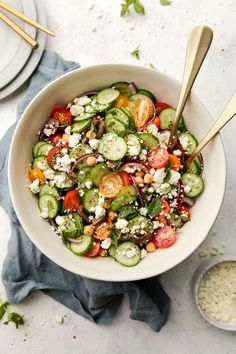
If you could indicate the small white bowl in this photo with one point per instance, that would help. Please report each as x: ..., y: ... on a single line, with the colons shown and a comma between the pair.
x: 60, y: 92
x: 197, y: 277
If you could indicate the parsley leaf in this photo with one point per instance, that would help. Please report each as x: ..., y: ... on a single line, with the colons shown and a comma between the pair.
x: 165, y: 2
x: 138, y: 7
x: 136, y: 53
x: 16, y: 318
x: 3, y: 308
x: 155, y: 207
x: 152, y: 66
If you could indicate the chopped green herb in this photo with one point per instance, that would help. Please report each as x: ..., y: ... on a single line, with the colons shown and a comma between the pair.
x: 3, y: 308
x: 165, y: 2
x: 16, y: 318
x: 138, y: 7
x: 155, y: 207
x: 136, y: 53
x: 152, y: 66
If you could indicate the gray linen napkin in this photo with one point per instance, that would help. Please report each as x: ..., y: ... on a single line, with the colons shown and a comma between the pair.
x: 26, y: 269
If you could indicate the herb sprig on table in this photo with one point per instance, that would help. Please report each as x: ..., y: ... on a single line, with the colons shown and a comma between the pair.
x: 11, y: 316
x: 136, y: 53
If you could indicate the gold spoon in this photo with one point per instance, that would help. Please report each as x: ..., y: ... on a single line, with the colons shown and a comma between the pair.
x: 199, y: 42
x: 227, y: 114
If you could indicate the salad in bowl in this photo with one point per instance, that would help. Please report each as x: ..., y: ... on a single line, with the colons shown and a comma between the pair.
x: 105, y: 180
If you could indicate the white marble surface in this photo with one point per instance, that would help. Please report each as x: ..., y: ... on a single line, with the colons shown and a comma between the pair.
x: 101, y: 36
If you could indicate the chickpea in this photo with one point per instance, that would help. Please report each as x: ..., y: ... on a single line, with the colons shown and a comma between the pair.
x: 65, y: 138
x: 88, y: 230
x: 91, y: 161
x: 112, y: 215
x: 150, y: 247
x: 139, y: 180
x: 90, y: 135
x: 148, y: 178
x: 139, y: 174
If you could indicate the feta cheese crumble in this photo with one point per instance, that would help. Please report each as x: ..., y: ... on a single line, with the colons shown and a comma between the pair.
x: 34, y: 186
x: 184, y: 142
x: 106, y: 243
x: 94, y: 143
x: 143, y: 211
x: 76, y: 110
x: 60, y: 220
x: 152, y: 129
x: 121, y: 224
x: 74, y: 139
x: 174, y: 177
x: 159, y: 176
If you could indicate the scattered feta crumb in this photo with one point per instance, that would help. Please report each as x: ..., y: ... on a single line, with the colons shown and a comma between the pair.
x: 59, y: 319
x: 60, y: 220
x: 49, y: 174
x: 159, y: 176
x: 174, y: 177
x: 44, y: 213
x: 106, y: 243
x: 99, y: 212
x: 74, y: 139
x: 143, y: 253
x: 133, y: 150
x: 76, y: 110
x: 163, y: 138
x: 184, y: 142
x: 187, y: 188
x: 82, y: 101
x: 130, y: 253
x: 177, y: 152
x: 68, y: 130
x: 156, y: 224
x: 121, y: 224
x: 88, y: 184
x: 100, y: 159
x: 152, y: 129
x: 143, y: 211
x: 94, y: 143
x: 34, y: 186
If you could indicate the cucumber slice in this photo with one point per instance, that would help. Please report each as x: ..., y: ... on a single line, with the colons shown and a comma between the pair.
x: 80, y: 150
x: 83, y: 117
x: 125, y: 132
x: 118, y: 114
x: 134, y: 145
x: 78, y: 222
x: 106, y: 138
x: 79, y: 127
x: 44, y: 149
x: 112, y: 251
x: 90, y: 199
x: 112, y: 147
x: 194, y: 167
x: 122, y: 87
x: 48, y: 204
x: 113, y: 125
x: 107, y: 96
x: 48, y: 189
x: 123, y: 252
x: 148, y: 94
x: 192, y: 142
x: 83, y: 174
x: 39, y: 162
x: 165, y: 188
x: 167, y: 117
x: 131, y: 119
x: 69, y: 227
x: 82, y: 245
x: 120, y: 201
x: 127, y: 212
x: 95, y: 106
x: 140, y: 223
x: 195, y: 182
x: 148, y: 140
x: 36, y: 146
x: 127, y: 190
x: 98, y: 172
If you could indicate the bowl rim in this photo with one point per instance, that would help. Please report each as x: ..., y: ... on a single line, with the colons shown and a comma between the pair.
x: 53, y: 257
x: 197, y: 277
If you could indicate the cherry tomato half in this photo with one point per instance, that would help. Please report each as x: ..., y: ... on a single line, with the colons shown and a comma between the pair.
x: 160, y: 106
x: 62, y: 115
x: 158, y: 158
x: 164, y: 237
x: 54, y: 153
x: 94, y: 250
x: 36, y: 173
x: 184, y: 212
x: 175, y: 162
x: 55, y: 138
x: 126, y: 178
x: 122, y: 101
x: 72, y: 201
x: 142, y: 112
x: 110, y: 185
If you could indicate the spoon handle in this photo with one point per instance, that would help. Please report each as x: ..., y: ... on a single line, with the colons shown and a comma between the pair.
x: 199, y: 42
x: 227, y: 114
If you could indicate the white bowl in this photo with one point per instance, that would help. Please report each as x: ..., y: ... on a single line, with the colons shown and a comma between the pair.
x: 197, y: 277
x: 61, y: 91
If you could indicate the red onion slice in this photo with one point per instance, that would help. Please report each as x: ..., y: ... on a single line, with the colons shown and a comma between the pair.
x: 139, y: 165
x: 101, y: 126
x: 133, y: 88
x: 189, y: 201
x: 82, y: 214
x: 140, y: 194
x: 180, y: 195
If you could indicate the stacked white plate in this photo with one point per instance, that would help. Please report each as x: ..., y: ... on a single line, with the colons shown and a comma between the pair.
x: 17, y: 59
